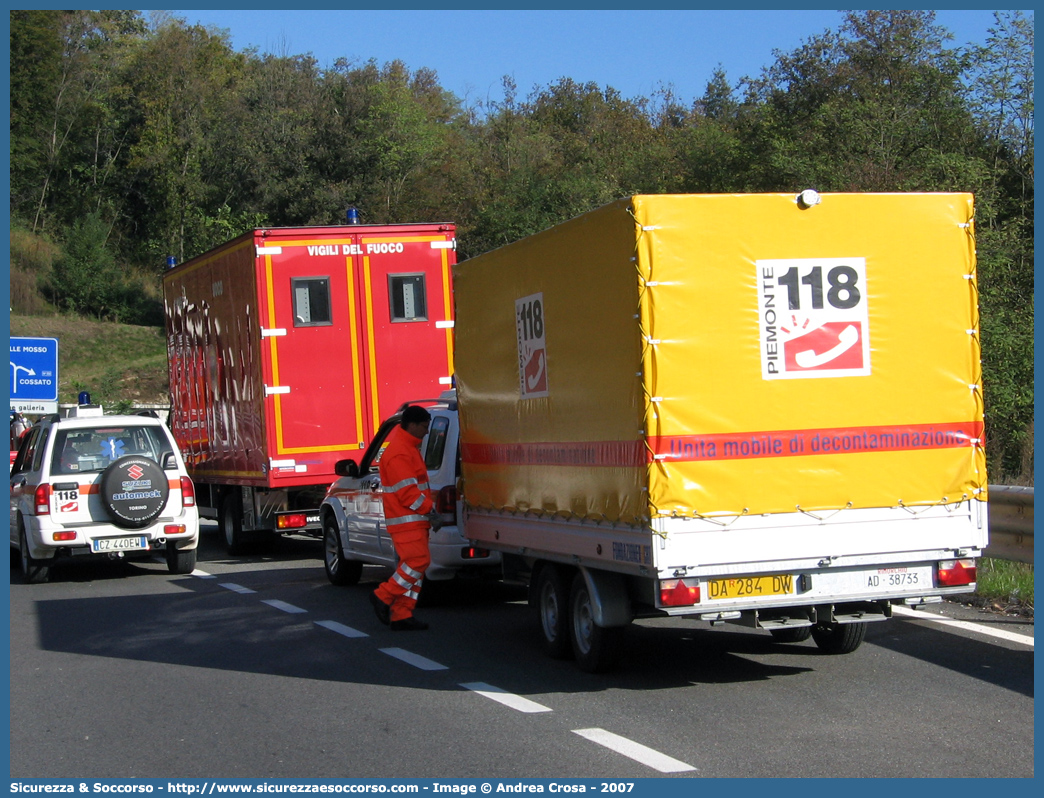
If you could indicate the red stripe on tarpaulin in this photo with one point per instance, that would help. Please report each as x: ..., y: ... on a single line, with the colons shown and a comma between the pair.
x: 728, y: 446
x: 831, y: 440
x: 618, y: 454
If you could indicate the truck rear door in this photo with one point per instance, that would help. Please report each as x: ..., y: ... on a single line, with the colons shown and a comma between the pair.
x: 405, y: 284
x: 357, y: 322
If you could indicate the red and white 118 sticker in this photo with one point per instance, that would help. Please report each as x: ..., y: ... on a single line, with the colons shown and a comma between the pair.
x: 813, y: 318
x: 532, y: 350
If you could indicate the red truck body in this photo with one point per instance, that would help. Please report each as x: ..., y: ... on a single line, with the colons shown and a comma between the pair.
x: 287, y: 346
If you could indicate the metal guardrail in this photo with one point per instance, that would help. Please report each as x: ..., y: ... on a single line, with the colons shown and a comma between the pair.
x: 1010, y: 523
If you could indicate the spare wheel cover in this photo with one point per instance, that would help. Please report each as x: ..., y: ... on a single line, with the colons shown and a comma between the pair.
x: 134, y: 491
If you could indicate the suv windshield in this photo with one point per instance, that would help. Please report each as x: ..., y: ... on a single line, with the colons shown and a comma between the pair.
x: 80, y: 450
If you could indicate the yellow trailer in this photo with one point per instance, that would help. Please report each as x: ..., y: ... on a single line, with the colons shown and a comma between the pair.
x: 755, y: 408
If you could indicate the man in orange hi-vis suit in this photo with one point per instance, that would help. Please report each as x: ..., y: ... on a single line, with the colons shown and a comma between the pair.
x: 408, y: 513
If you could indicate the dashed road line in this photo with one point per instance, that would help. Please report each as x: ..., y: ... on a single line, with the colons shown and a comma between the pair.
x: 505, y: 698
x: 635, y: 751
x: 236, y: 588
x: 202, y: 574
x: 416, y: 660
x: 967, y: 626
x: 281, y: 605
x: 341, y: 629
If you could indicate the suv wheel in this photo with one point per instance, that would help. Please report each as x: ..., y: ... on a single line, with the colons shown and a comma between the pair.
x: 34, y: 571
x: 180, y: 561
x: 338, y: 570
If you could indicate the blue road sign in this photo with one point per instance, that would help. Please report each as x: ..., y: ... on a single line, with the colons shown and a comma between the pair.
x: 34, y: 370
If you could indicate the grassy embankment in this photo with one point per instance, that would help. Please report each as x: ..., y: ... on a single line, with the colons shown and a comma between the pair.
x: 120, y: 365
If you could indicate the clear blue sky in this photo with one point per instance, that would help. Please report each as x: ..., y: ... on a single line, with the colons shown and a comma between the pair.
x: 635, y: 52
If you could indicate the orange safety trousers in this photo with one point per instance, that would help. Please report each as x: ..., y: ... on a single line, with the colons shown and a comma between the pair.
x: 402, y: 590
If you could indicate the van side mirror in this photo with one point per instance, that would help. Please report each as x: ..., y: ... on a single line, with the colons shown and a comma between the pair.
x: 347, y: 468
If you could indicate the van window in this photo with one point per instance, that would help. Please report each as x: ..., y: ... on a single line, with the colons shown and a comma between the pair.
x: 436, y: 443
x: 406, y: 293
x: 311, y: 296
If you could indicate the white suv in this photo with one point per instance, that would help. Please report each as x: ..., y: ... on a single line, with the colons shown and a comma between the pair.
x: 101, y: 485
x: 354, y: 531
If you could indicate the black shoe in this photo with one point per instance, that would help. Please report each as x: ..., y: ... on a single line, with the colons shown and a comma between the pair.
x: 383, y: 610
x: 410, y: 624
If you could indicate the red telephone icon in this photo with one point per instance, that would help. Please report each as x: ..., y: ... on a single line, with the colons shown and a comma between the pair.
x: 832, y: 346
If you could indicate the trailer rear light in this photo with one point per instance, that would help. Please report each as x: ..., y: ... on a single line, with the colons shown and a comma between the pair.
x: 188, y: 493
x: 472, y: 553
x: 446, y: 504
x: 679, y: 592
x: 293, y: 521
x: 42, y: 499
x: 951, y: 573
x: 173, y: 529
x: 58, y: 537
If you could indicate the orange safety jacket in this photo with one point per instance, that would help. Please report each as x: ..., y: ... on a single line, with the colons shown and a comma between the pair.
x: 404, y: 477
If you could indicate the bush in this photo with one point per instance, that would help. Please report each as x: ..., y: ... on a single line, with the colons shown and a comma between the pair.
x: 32, y: 257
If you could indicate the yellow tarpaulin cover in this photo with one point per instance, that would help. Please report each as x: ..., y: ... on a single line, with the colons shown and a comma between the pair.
x: 721, y: 354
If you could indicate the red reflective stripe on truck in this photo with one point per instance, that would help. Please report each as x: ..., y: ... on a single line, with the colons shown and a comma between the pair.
x: 798, y: 443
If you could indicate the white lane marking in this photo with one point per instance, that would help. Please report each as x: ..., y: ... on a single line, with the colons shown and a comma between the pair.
x: 416, y: 660
x: 505, y: 698
x: 202, y: 574
x: 236, y: 588
x: 341, y: 629
x: 636, y: 751
x: 967, y: 626
x: 281, y: 605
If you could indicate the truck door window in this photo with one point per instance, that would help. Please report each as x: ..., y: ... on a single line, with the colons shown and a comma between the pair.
x: 436, y: 443
x: 311, y: 297
x: 407, y: 297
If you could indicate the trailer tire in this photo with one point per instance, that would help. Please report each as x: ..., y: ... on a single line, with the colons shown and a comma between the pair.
x: 232, y: 524
x: 552, y: 605
x: 795, y: 634
x: 34, y: 572
x: 839, y: 638
x: 338, y: 570
x: 180, y: 561
x: 595, y: 648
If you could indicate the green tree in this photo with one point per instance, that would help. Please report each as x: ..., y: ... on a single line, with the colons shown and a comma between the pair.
x: 1001, y: 94
x: 65, y: 142
x: 182, y: 80
x: 86, y: 278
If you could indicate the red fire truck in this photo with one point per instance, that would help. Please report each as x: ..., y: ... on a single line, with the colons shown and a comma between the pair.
x: 286, y: 348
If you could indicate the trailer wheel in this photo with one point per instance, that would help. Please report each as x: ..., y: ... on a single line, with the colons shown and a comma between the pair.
x: 839, y: 638
x: 232, y: 524
x: 180, y: 561
x: 595, y: 647
x: 34, y: 572
x: 795, y: 634
x: 552, y: 603
x: 338, y: 570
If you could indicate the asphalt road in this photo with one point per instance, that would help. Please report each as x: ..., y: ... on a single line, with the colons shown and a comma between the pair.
x: 257, y: 667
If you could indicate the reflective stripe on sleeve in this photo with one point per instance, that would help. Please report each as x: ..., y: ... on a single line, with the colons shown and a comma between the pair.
x: 405, y: 519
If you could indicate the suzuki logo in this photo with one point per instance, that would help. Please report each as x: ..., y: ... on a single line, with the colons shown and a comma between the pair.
x: 135, y: 472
